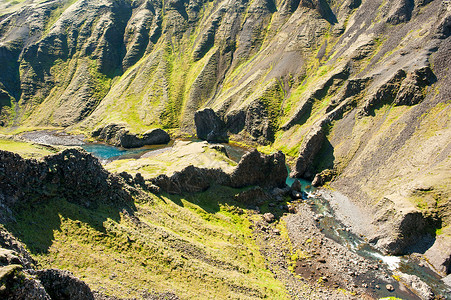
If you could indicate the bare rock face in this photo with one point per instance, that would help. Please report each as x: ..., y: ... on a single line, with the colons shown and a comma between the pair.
x: 309, y: 149
x: 209, y: 126
x: 401, y: 225
x: 262, y: 170
x: 439, y: 255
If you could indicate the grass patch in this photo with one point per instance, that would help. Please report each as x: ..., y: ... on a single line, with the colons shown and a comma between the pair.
x: 25, y: 149
x: 194, y: 246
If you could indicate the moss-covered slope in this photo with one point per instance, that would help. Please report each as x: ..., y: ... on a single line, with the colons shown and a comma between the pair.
x: 357, y: 89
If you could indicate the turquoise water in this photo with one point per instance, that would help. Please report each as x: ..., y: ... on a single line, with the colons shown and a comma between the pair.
x: 107, y: 152
x: 103, y: 151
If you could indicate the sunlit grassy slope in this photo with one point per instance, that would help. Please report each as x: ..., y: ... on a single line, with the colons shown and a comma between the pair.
x: 199, y: 247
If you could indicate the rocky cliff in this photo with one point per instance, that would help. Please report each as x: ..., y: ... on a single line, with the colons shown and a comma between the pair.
x: 356, y: 89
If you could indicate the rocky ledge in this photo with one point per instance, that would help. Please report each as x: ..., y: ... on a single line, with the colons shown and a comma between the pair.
x: 254, y: 169
x: 120, y: 136
x: 72, y: 173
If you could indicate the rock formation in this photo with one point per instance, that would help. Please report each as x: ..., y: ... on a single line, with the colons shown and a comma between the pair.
x: 254, y: 169
x: 74, y: 174
x: 360, y: 88
x: 119, y: 136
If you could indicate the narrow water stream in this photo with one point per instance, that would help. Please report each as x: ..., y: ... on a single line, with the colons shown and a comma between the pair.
x: 329, y: 225
x: 338, y: 232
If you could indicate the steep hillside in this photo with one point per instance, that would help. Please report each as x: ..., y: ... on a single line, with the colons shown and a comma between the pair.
x: 357, y: 91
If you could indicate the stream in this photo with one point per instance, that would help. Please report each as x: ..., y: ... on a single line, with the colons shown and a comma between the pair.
x: 337, y: 231
x: 327, y: 222
x: 329, y: 225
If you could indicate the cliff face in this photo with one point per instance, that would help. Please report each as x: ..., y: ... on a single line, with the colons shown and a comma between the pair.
x: 358, y: 89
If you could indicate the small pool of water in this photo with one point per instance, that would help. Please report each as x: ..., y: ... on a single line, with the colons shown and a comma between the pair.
x: 108, y: 153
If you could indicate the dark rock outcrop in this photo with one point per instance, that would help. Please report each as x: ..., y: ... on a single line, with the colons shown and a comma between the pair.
x: 190, y: 180
x: 262, y: 170
x: 235, y: 121
x: 61, y: 284
x: 401, y: 12
x: 386, y: 93
x: 309, y: 149
x: 209, y: 126
x: 323, y: 177
x: 73, y: 174
x: 119, y: 136
x: 253, y: 196
x: 258, y: 123
x: 20, y: 280
x: 109, y: 134
x: 254, y: 169
x: 411, y: 91
x: 151, y: 137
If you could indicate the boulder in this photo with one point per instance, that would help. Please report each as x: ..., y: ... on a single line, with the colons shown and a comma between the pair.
x: 269, y: 217
x: 61, y: 284
x: 310, y: 147
x: 209, y: 126
x: 296, y: 186
x: 119, y: 136
x: 263, y: 170
x: 151, y: 137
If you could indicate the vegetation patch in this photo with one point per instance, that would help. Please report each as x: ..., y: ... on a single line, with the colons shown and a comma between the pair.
x: 24, y: 149
x: 194, y: 246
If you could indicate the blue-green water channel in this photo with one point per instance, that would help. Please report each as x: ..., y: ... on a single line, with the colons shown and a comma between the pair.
x: 107, y: 153
x: 329, y: 225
